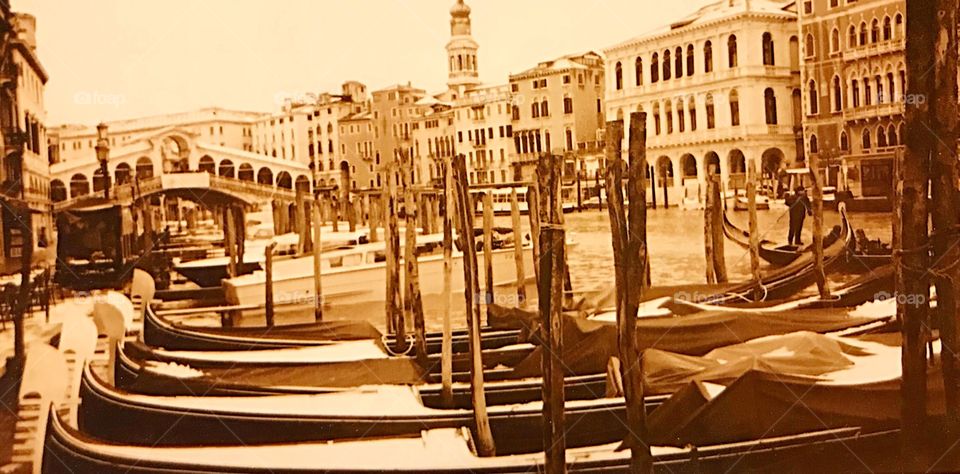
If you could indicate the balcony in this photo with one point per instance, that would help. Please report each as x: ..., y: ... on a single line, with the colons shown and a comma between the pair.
x: 873, y: 111
x: 873, y: 50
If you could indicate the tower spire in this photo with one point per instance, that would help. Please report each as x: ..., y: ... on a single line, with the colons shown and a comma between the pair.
x: 461, y: 50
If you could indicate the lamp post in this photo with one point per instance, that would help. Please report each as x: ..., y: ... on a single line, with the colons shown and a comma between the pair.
x: 103, y: 155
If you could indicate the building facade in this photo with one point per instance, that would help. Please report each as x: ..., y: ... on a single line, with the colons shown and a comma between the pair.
x: 854, y: 80
x: 25, y: 174
x: 558, y: 108
x: 720, y: 87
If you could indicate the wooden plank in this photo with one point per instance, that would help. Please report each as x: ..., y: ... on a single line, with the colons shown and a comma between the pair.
x: 518, y: 249
x: 465, y: 209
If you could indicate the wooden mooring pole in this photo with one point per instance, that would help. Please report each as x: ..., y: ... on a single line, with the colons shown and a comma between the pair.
x: 550, y: 301
x: 823, y: 286
x: 230, y: 246
x: 533, y: 214
x: 488, y: 249
x: 911, y: 252
x: 518, y: 249
x: 394, y: 303
x: 465, y: 209
x: 630, y: 259
x: 716, y: 230
x: 754, y: 230
x: 411, y: 275
x: 446, y: 343
x: 268, y: 283
x: 317, y: 261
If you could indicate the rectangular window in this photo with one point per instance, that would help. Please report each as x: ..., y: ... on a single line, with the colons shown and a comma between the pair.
x: 460, y: 137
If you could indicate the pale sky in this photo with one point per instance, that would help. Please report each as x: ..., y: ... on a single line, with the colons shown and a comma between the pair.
x: 116, y: 59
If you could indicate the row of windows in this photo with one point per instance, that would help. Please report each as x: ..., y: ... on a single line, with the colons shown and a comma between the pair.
x: 861, y: 37
x: 481, y: 135
x: 536, y: 141
x: 863, y: 92
x: 683, y: 112
x: 663, y: 70
x: 808, y: 5
x: 888, y: 136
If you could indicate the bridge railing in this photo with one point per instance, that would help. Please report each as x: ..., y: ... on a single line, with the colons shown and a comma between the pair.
x: 127, y: 192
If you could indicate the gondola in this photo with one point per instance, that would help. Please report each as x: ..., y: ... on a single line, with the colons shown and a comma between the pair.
x: 789, y: 280
x: 158, y: 332
x: 67, y: 450
x: 115, y: 415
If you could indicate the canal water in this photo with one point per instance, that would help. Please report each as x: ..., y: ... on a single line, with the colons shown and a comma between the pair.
x: 675, y: 239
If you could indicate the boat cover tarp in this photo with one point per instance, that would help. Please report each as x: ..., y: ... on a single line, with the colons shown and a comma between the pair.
x: 589, y: 345
x: 761, y: 404
x: 392, y: 371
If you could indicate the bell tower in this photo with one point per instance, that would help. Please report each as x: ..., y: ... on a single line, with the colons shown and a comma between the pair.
x: 461, y: 50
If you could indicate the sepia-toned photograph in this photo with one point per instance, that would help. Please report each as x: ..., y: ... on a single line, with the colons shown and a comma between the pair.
x: 479, y: 236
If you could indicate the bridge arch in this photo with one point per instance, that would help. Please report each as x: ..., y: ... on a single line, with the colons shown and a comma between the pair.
x: 122, y: 173
x: 79, y: 186
x: 227, y: 169
x: 207, y: 165
x: 284, y: 180
x: 144, y: 168
x: 175, y: 152
x: 245, y: 172
x: 58, y: 191
x: 302, y: 184
x: 265, y: 176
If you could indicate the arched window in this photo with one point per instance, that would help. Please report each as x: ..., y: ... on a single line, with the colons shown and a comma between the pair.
x: 732, y: 51
x: 867, y: 92
x: 881, y: 137
x: 693, y: 114
x: 655, y: 68
x: 516, y: 112
x: 837, y: 95
x: 863, y: 33
x: 770, y: 106
x: 656, y: 118
x: 852, y: 36
x: 734, y: 108
x: 808, y: 46
x: 544, y: 108
x: 844, y: 141
x: 835, y: 41
x: 875, y: 31
x: 814, y: 97
x: 865, y: 139
x: 898, y: 20
x: 711, y: 117
x: 638, y: 70
x: 855, y: 92
x: 887, y: 29
x: 535, y: 109
x: 708, y: 57
x: 567, y: 105
x: 768, y: 56
x: 666, y: 65
x: 669, y: 116
x: 678, y: 61
x: 618, y: 75
x: 681, y: 118
x: 879, y: 83
x: 891, y: 83
x: 892, y: 138
x: 814, y: 144
x: 690, y: 60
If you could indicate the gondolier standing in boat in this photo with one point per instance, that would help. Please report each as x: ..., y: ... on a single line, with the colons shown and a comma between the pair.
x: 799, y: 205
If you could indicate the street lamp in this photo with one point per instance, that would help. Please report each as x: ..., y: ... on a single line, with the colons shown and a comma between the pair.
x: 103, y: 155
